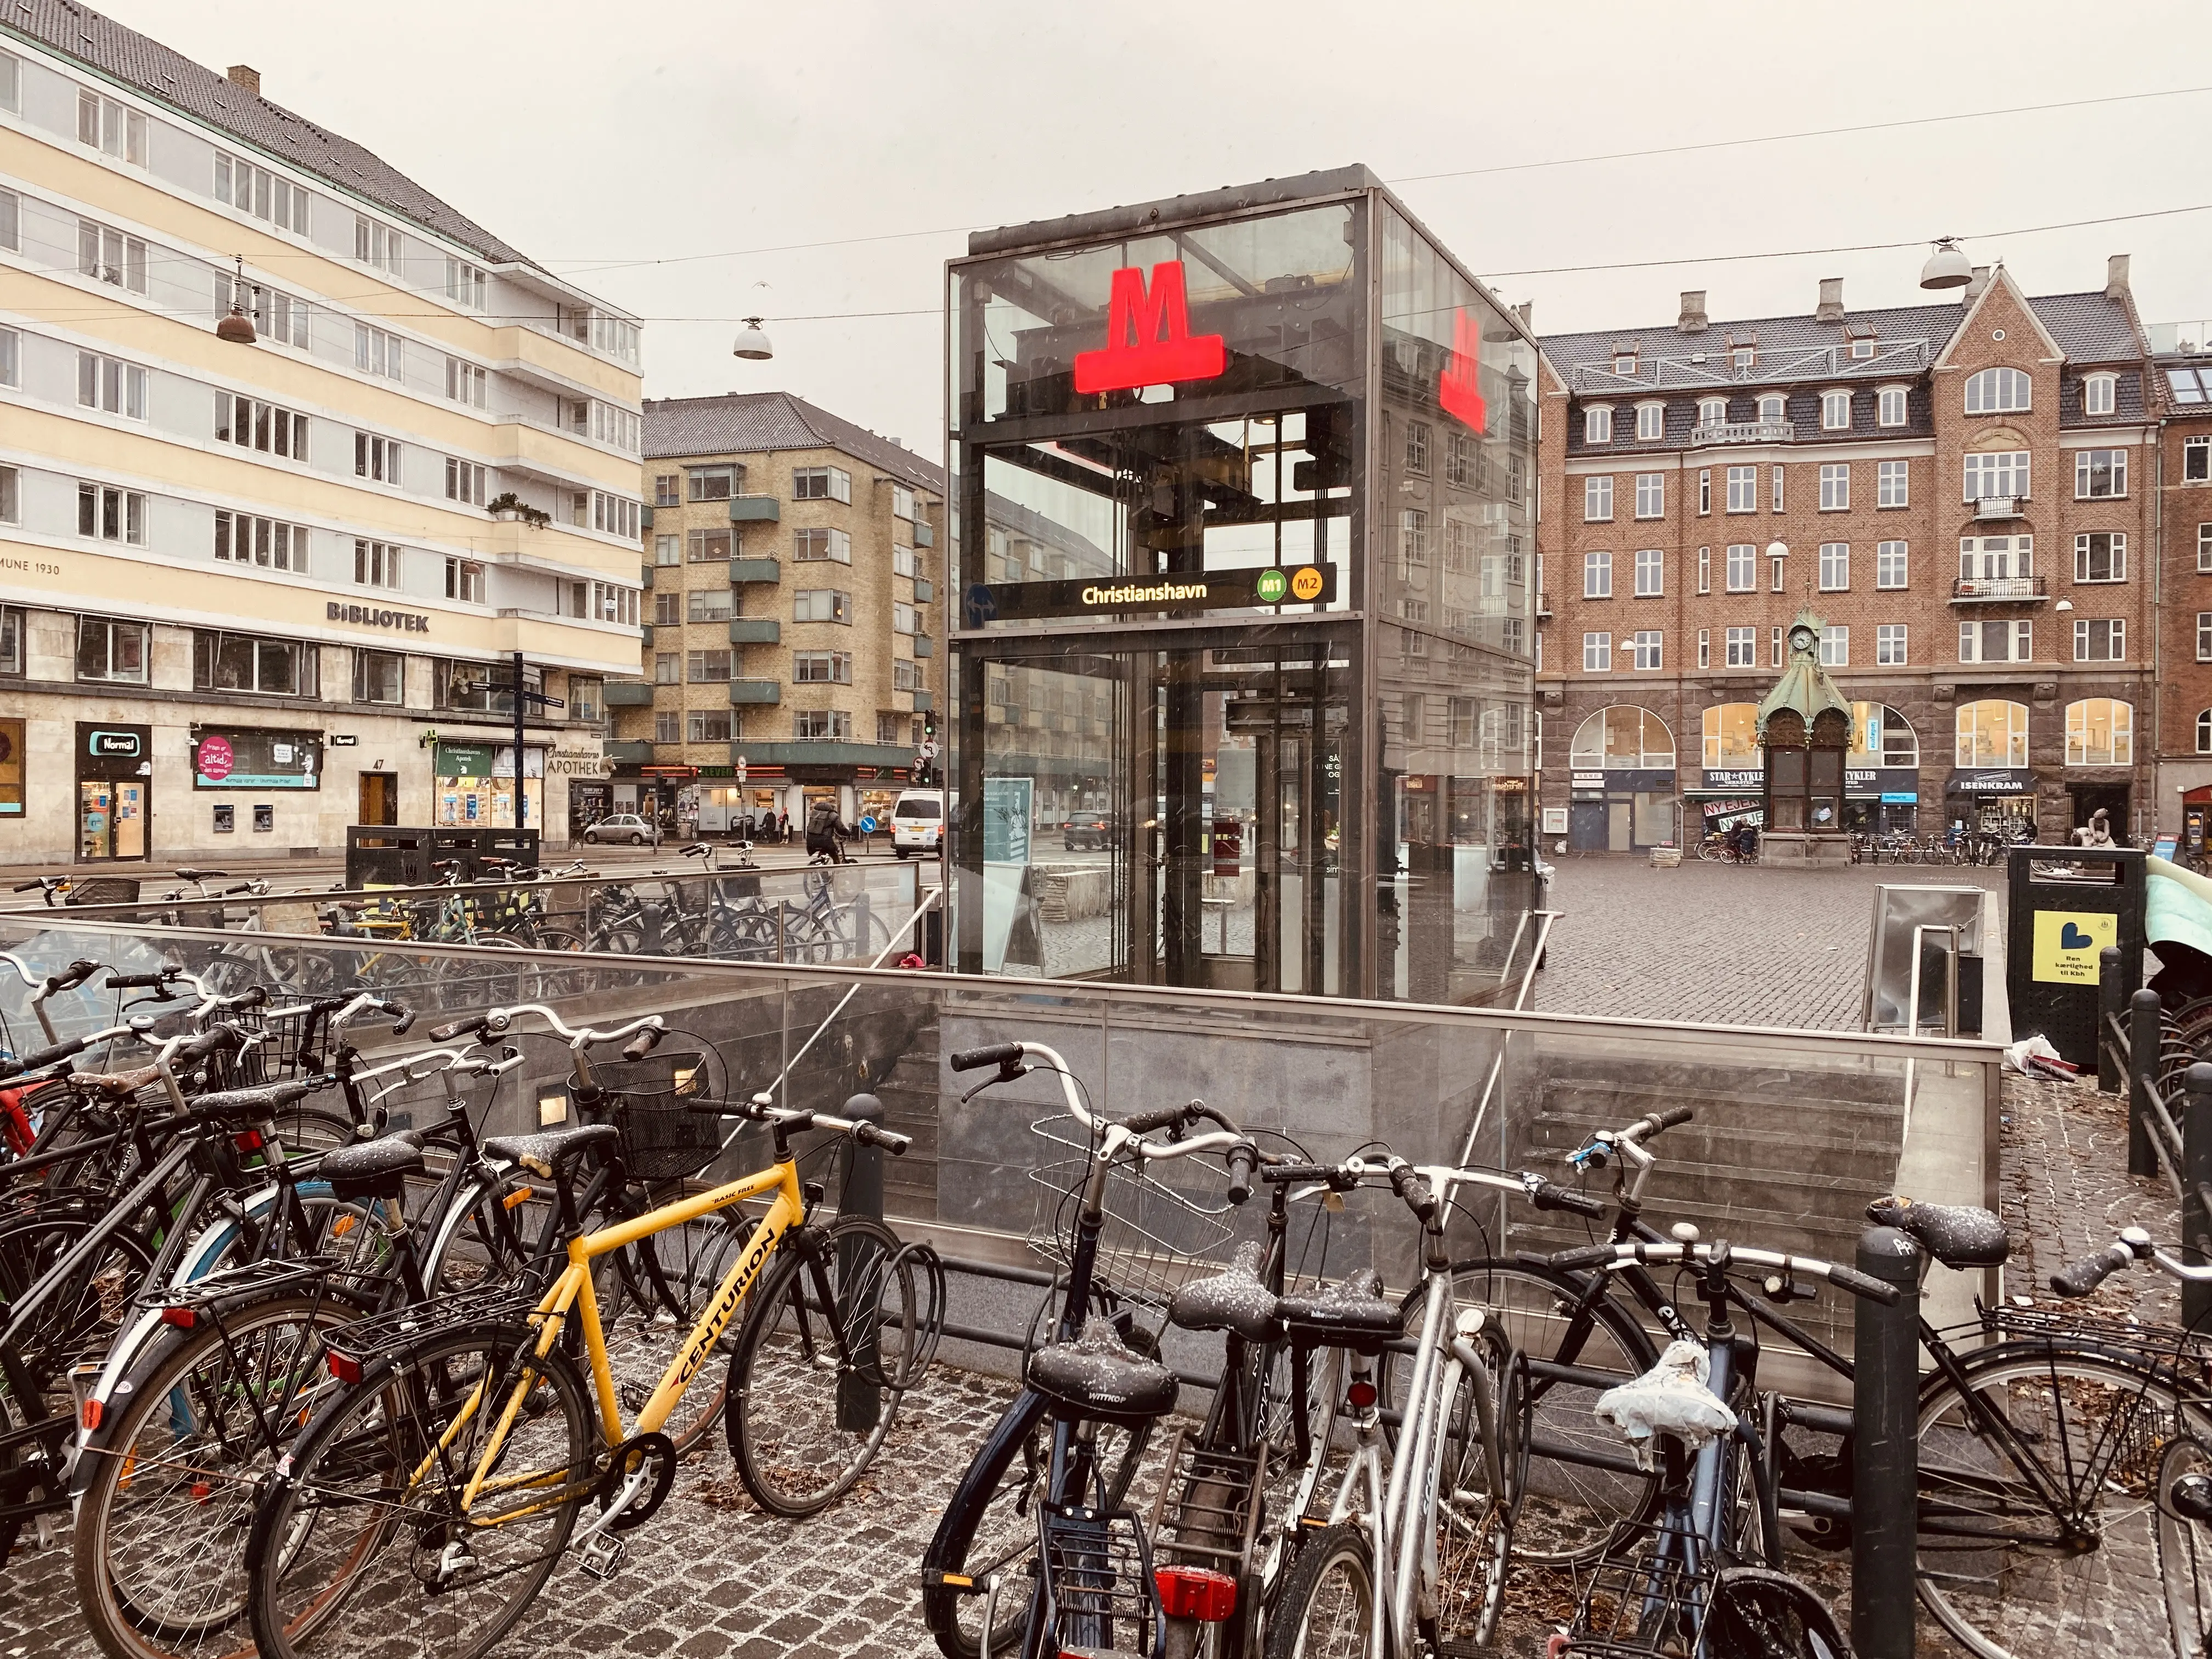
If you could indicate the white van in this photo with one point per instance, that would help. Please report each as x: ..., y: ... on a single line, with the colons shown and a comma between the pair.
x: 918, y: 822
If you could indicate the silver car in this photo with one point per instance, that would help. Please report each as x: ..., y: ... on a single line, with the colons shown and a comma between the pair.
x: 624, y: 827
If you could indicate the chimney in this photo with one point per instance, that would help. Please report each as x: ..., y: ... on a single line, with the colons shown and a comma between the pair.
x: 1973, y: 291
x: 1692, y: 320
x: 1526, y: 311
x: 1831, y: 308
x: 2116, y: 277
x: 246, y: 75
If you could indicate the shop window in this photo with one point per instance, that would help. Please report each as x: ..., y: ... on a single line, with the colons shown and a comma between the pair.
x: 111, y: 652
x: 1622, y: 737
x: 11, y: 642
x: 2100, y: 731
x: 12, y: 735
x: 1881, y: 736
x: 1992, y: 732
x: 1731, y: 733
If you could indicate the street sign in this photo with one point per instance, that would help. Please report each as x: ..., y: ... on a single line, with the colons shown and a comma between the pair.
x: 867, y: 826
x: 741, y: 769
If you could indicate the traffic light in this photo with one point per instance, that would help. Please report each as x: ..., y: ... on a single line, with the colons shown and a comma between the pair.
x: 925, y: 760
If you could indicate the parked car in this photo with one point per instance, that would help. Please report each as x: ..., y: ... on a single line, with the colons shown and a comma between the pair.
x: 624, y: 827
x: 1091, y: 830
x: 918, y: 822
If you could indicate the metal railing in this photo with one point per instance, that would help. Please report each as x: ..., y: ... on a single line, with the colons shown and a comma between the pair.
x: 2169, y: 1126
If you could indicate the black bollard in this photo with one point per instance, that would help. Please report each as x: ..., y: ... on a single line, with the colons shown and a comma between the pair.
x: 859, y: 1401
x: 2142, y: 1068
x: 1886, y: 1450
x: 2196, y: 1173
x: 2111, y: 1010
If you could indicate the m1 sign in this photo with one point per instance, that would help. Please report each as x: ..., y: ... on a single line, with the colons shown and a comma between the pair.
x: 1148, y: 337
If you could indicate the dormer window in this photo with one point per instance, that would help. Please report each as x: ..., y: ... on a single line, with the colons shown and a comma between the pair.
x: 1773, y: 407
x: 1650, y: 423
x: 1712, y: 411
x: 1597, y: 424
x: 1742, y: 358
x: 1835, y: 411
x: 1624, y: 362
x: 2099, y: 394
x: 1862, y: 344
x: 1889, y: 406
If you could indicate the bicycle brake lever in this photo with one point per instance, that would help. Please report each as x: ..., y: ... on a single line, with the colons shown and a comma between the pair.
x: 1004, y: 1074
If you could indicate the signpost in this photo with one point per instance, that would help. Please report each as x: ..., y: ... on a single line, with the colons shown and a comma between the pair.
x: 525, y: 698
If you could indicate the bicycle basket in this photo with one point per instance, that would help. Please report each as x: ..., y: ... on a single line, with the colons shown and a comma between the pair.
x: 1154, y: 1235
x: 662, y: 1138
x: 103, y: 889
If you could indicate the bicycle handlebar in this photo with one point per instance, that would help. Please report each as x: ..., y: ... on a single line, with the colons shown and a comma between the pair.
x: 2133, y: 1245
x: 1612, y: 1257
x: 761, y: 1109
x: 496, y: 1021
x: 996, y: 1053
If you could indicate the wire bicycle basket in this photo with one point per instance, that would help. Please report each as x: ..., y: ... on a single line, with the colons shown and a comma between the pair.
x: 663, y: 1137
x: 1153, y: 1235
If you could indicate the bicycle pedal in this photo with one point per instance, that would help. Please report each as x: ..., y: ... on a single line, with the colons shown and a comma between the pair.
x: 603, y: 1557
x: 633, y: 1396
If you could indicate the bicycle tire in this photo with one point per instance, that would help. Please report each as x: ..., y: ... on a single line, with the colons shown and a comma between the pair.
x: 2185, y: 1551
x: 1474, y: 1507
x: 80, y: 1319
x: 303, y: 1131
x: 1329, y: 1595
x: 21, y: 1478
x: 1758, y: 1613
x: 173, y: 1482
x: 2017, y: 1585
x: 357, y: 1590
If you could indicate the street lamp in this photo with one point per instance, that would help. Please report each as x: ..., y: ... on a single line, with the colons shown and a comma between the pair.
x: 752, y: 345
x: 238, y: 327
x: 1946, y: 267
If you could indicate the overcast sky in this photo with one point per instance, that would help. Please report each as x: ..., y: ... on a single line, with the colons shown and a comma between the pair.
x: 656, y: 132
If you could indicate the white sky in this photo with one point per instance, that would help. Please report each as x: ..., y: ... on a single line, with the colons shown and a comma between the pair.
x: 654, y: 132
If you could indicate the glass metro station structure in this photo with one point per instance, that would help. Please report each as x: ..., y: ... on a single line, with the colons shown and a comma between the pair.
x: 1240, y: 601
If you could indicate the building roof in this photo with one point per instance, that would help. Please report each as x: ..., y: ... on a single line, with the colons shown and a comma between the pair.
x: 2089, y: 327
x: 147, y: 67
x: 756, y: 422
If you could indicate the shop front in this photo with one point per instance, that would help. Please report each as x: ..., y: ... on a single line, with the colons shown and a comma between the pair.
x: 259, y: 766
x: 1998, y: 799
x: 1621, y: 810
x: 114, y: 790
x: 474, y: 786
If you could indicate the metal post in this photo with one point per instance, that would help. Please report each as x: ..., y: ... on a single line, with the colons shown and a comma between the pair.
x: 2111, y: 1006
x: 859, y: 1398
x: 2142, y: 1068
x: 521, y: 801
x: 2197, y: 1173
x: 1886, y: 1449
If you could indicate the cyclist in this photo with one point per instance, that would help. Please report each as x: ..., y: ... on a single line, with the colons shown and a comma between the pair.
x: 825, y: 833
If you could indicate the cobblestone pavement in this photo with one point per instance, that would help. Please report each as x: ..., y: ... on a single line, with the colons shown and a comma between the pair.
x: 1720, y: 944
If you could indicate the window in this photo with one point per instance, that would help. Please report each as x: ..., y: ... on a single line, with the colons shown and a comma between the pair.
x: 1994, y: 558
x: 666, y: 487
x: 903, y: 617
x: 713, y: 483
x: 465, y: 284
x: 1624, y: 362
x: 1742, y: 567
x: 110, y: 514
x: 710, y: 605
x: 1835, y: 567
x: 1862, y: 348
x: 667, y: 668
x: 1996, y: 474
x: 1646, y: 641
x: 1650, y: 572
x: 464, y: 580
x: 1743, y: 489
x: 1417, y: 451
x: 1777, y: 470
x: 1712, y: 411
x: 616, y: 515
x: 2101, y: 640
x: 1597, y: 650
x: 1743, y: 358
x: 1704, y: 489
x: 114, y: 652
x: 611, y: 335
x: 808, y: 546
x: 379, y: 677
x: 2101, y: 556
x: 586, y: 698
x: 375, y: 352
x: 1650, y: 423
x: 1650, y: 494
x: 1597, y: 576
x: 2196, y: 461
x: 1892, y: 484
x: 1835, y: 411
x: 906, y: 675
x: 1998, y: 392
x: 2099, y: 394
x: 902, y: 560
x: 244, y: 662
x: 1597, y: 425
x: 278, y: 318
x: 1704, y: 648
x: 607, y: 602
x: 1835, y: 486
x: 11, y: 357
x: 260, y: 193
x: 902, y: 497
x: 251, y: 425
x: 2204, y: 547
x: 1889, y: 645
x: 2100, y: 731
x: 464, y: 384
x: 709, y: 667
x: 377, y: 244
x: 11, y: 215
x: 668, y: 549
x: 465, y: 482
x: 111, y: 128
x: 2098, y: 473
x: 1464, y: 465
x: 11, y: 500
x: 2205, y: 732
x: 1889, y: 406
x: 1995, y: 641
x: 243, y: 538
x: 1774, y: 646
x: 1742, y: 645
x: 109, y: 256
x: 376, y: 457
x: 2205, y: 636
x: 1704, y: 570
x: 822, y: 726
x: 1730, y: 735
x: 1835, y: 646
x: 821, y: 484
x: 1780, y: 567
x: 667, y: 609
x: 1597, y: 499
x: 1773, y: 407
x: 822, y: 667
x: 706, y: 726
x: 606, y: 423
x: 1891, y: 564
x: 1992, y: 733
x: 105, y: 383
x: 375, y: 564
x: 821, y: 605
x: 667, y: 726
x: 708, y: 546
x: 1413, y: 538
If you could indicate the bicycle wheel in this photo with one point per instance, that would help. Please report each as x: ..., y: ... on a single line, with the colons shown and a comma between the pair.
x: 2185, y: 1551
x: 1580, y: 1483
x: 476, y: 1242
x: 1758, y: 1614
x: 171, y: 1489
x: 1327, y: 1609
x: 367, y: 1544
x: 84, y: 1308
x: 806, y: 1415
x: 2009, y: 1574
x: 23, y: 1472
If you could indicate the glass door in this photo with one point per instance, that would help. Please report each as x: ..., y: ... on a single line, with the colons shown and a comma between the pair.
x: 95, y: 836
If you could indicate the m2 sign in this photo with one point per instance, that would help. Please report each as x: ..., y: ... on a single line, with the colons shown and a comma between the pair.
x: 1148, y: 337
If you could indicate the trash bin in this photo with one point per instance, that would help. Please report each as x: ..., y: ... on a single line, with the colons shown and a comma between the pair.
x: 2067, y: 903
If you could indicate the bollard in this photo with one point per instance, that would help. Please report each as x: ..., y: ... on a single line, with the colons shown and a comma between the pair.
x: 859, y: 1400
x: 1886, y: 1450
x: 2142, y: 1067
x: 2196, y: 1173
x: 2112, y: 1010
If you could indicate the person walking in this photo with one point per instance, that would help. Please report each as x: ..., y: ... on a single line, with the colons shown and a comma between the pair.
x: 783, y: 828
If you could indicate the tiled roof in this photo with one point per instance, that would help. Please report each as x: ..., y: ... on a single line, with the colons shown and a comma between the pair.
x: 1785, y: 344
x: 148, y: 67
x: 2089, y: 327
x: 755, y: 422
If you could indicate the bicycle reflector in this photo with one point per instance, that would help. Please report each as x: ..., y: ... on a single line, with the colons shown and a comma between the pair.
x: 1196, y: 1593
x: 344, y: 1367
x: 90, y: 1412
x: 1360, y: 1396
x: 248, y: 1140
x: 180, y: 1317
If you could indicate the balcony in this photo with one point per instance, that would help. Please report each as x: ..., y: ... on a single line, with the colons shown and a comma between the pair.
x: 755, y: 570
x: 1999, y: 590
x: 756, y: 509
x: 645, y: 580
x: 1745, y: 432
x: 922, y: 647
x: 1543, y: 607
x: 755, y: 691
x: 645, y: 635
x: 1999, y: 507
x: 925, y: 592
x: 628, y: 694
x: 822, y: 751
x: 923, y: 535
x: 922, y: 703
x: 755, y: 630
x: 629, y: 751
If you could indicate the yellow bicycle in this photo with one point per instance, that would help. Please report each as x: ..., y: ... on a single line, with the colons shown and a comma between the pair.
x: 431, y: 1497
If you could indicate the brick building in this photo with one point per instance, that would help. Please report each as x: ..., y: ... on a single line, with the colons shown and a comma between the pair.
x: 1960, y: 492
x: 2182, y: 378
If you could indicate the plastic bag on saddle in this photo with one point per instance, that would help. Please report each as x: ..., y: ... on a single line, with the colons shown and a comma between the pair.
x: 1671, y: 1398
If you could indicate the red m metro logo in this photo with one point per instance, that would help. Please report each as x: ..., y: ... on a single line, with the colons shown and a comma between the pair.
x: 1459, y: 384
x: 1148, y: 337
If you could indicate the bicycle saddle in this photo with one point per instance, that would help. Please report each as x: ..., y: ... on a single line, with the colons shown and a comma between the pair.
x: 544, y: 1152
x: 1956, y: 1235
x: 368, y: 1169
x: 117, y: 1085
x: 1099, y: 1376
x: 201, y: 875
x: 1352, y: 1313
x: 1233, y: 1299
x: 250, y: 1105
